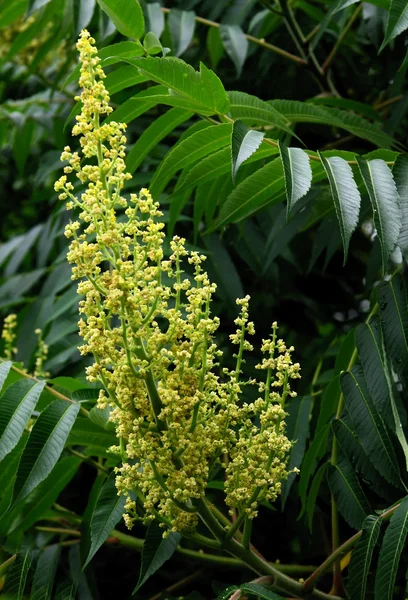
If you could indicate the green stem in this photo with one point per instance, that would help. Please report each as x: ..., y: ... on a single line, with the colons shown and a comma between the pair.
x: 7, y: 564
x: 341, y: 37
x: 246, y: 536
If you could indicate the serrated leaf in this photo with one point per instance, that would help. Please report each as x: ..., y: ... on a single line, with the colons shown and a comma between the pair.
x: 369, y: 425
x: 253, y: 111
x: 44, y: 575
x: 350, y: 498
x: 17, y: 576
x: 44, y: 446
x: 346, y: 196
x: 108, y: 511
x: 361, y: 557
x: 260, y: 591
x: 126, y: 15
x: 298, y: 174
x: 16, y: 406
x: 156, y: 551
x: 390, y: 553
x: 400, y: 173
x: 202, y: 89
x: 5, y: 367
x: 196, y: 146
x: 378, y: 377
x: 181, y: 26
x: 157, y: 131
x: 384, y: 199
x: 397, y: 21
x: 297, y: 422
x: 155, y: 18
x: 393, y: 303
x: 244, y: 142
x: 235, y: 44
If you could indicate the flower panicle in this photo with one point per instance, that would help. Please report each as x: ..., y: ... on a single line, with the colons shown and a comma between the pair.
x: 150, y: 328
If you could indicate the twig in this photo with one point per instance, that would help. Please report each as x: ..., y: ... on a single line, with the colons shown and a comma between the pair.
x: 341, y: 37
x: 179, y: 584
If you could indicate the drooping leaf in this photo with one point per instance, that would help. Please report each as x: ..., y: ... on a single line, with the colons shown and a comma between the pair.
x: 203, y: 89
x: 44, y: 575
x: 315, y: 451
x: 313, y: 493
x: 235, y: 44
x: 108, y: 510
x: 390, y: 553
x: 155, y: 18
x: 297, y: 430
x: 361, y: 557
x: 156, y: 551
x: 393, y: 303
x: 400, y: 173
x: 17, y: 576
x: 151, y: 136
x: 84, y: 14
x: 44, y: 446
x: 397, y: 21
x: 244, y: 142
x: 369, y: 425
x: 66, y: 590
x: 385, y: 202
x: 5, y: 367
x: 86, y: 433
x: 16, y: 405
x: 378, y: 377
x: 196, y: 146
x: 223, y: 270
x: 335, y: 7
x: 181, y: 25
x: 298, y: 174
x: 346, y: 196
x: 350, y: 498
x: 126, y: 15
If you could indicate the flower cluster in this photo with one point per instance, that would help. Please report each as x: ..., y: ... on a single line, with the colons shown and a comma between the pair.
x: 149, y: 326
x: 9, y: 336
x: 41, y: 355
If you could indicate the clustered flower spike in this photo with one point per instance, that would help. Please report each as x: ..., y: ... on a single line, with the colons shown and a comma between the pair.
x: 151, y: 331
x: 9, y: 336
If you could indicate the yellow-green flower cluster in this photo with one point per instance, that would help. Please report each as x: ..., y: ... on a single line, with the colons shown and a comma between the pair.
x: 151, y: 331
x: 40, y: 356
x: 9, y: 336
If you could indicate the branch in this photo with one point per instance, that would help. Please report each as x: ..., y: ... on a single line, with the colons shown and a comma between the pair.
x: 341, y: 37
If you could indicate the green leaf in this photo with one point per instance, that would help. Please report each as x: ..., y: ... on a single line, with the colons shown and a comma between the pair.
x: 264, y: 187
x: 100, y: 416
x: 299, y: 411
x: 369, y: 426
x: 224, y: 270
x: 303, y: 112
x: 260, y: 591
x: 35, y: 5
x: 84, y: 14
x: 397, y: 21
x: 16, y: 406
x: 235, y: 44
x: 44, y: 446
x: 155, y: 18
x: 156, y: 551
x: 123, y: 78
x: 126, y: 15
x: 361, y: 558
x: 253, y: 111
x: 346, y: 196
x: 181, y: 26
x: 315, y: 451
x: 384, y: 199
x: 350, y: 498
x: 5, y: 367
x: 66, y: 590
x: 196, y: 146
x: 378, y: 377
x: 313, y: 493
x: 44, y: 575
x: 157, y: 131
x: 152, y: 44
x: 244, y: 142
x: 400, y: 173
x: 352, y: 448
x: 86, y: 433
x: 203, y: 89
x: 335, y: 7
x: 215, y: 46
x: 393, y: 303
x: 134, y: 107
x: 17, y: 576
x: 108, y: 511
x: 298, y: 174
x: 390, y: 553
